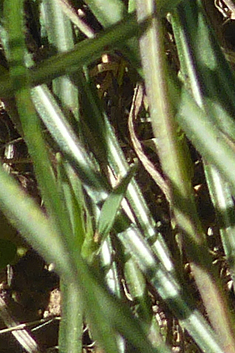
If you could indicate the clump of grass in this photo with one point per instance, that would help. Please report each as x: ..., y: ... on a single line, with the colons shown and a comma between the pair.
x: 75, y: 80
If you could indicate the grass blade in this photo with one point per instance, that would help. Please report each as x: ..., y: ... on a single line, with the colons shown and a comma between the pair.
x: 112, y: 204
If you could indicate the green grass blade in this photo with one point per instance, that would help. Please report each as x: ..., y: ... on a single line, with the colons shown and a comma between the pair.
x: 69, y: 11
x: 37, y: 229
x: 112, y: 205
x: 70, y: 190
x: 65, y: 137
x: 60, y: 37
x: 71, y: 326
x: 138, y: 290
x: 210, y: 142
x: 108, y: 13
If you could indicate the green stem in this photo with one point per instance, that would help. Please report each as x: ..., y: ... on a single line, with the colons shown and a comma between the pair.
x: 71, y: 327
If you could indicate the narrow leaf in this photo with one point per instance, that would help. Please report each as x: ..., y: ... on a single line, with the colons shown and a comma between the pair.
x: 112, y: 204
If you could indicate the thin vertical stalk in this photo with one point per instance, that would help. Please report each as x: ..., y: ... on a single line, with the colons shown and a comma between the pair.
x: 60, y: 36
x: 71, y: 326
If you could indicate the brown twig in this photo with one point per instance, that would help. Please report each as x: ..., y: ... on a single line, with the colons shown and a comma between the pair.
x: 148, y: 165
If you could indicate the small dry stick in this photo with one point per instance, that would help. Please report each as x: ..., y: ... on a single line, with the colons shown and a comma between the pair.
x: 40, y: 323
x: 148, y: 165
